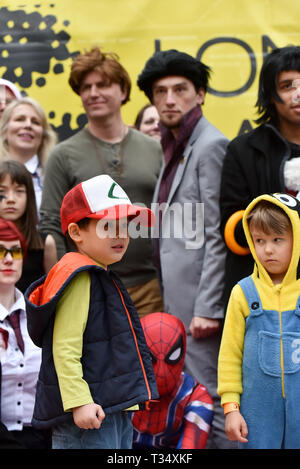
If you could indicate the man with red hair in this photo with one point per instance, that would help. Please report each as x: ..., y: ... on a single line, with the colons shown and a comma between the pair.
x: 106, y: 145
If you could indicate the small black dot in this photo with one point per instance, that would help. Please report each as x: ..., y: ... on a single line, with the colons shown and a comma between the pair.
x: 58, y: 68
x: 41, y: 82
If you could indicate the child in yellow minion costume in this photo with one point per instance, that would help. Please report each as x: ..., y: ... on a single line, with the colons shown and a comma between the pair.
x: 259, y: 360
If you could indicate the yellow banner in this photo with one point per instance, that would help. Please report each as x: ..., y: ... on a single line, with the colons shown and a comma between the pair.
x: 39, y: 39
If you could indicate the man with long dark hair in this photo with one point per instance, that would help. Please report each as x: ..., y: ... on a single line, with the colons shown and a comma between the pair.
x: 265, y: 160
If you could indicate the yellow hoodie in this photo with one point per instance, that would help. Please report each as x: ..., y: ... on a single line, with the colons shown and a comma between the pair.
x: 281, y: 297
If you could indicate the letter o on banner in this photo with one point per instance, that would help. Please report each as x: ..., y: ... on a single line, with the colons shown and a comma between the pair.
x: 242, y: 89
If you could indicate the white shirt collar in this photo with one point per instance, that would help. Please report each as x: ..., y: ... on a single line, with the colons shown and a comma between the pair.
x: 32, y: 164
x: 18, y: 304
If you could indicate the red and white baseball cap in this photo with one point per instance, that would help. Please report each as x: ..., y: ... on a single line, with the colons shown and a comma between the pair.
x: 101, y: 197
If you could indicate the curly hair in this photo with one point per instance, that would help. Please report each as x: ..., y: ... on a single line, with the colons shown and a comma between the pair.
x: 173, y: 62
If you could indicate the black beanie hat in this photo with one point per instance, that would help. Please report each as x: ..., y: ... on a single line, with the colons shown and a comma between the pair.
x: 173, y: 62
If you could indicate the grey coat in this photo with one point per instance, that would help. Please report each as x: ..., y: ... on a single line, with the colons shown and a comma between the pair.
x: 192, y: 260
x: 192, y: 267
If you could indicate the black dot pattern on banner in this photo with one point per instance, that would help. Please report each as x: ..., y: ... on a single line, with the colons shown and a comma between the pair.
x: 30, y: 41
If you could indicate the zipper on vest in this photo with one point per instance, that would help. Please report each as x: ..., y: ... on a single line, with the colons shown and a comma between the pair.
x: 136, y: 343
x: 281, y: 346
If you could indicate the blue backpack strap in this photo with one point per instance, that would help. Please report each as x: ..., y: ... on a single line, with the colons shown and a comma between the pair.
x: 248, y: 286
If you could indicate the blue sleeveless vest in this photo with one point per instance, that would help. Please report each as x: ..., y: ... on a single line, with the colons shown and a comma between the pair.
x: 115, y: 360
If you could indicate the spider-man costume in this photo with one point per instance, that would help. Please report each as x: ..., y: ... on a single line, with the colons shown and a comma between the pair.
x: 181, y: 418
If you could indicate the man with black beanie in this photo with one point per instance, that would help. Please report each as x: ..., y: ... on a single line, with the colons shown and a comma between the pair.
x: 191, y: 265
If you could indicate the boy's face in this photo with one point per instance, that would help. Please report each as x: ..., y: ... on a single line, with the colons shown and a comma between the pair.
x: 274, y: 251
x: 104, y: 241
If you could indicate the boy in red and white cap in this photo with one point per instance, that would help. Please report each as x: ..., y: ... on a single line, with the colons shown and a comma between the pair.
x: 96, y: 362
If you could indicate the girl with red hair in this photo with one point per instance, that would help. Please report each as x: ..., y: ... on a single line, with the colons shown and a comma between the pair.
x: 19, y: 358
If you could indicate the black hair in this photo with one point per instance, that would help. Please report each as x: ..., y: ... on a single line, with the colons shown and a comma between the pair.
x: 173, y: 62
x: 83, y: 224
x: 285, y: 58
x: 28, y: 220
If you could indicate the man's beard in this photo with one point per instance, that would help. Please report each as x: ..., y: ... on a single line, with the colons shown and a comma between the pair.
x: 171, y: 125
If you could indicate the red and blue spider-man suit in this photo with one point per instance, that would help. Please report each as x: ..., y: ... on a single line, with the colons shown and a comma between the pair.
x: 181, y: 418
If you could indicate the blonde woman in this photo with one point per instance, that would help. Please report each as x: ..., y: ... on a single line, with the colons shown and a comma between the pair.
x: 26, y: 136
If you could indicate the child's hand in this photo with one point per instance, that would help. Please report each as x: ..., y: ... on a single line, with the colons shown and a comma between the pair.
x: 236, y: 427
x: 88, y: 416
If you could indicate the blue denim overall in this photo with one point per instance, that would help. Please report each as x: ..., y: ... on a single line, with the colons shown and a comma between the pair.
x: 270, y: 402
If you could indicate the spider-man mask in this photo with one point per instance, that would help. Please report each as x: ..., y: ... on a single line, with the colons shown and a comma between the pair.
x: 166, y: 338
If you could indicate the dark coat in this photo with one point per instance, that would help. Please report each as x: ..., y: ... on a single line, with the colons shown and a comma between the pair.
x: 253, y: 166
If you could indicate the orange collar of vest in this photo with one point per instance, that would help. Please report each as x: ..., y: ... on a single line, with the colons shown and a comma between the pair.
x: 58, y: 275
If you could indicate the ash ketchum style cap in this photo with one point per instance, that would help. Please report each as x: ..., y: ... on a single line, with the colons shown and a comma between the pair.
x: 101, y: 197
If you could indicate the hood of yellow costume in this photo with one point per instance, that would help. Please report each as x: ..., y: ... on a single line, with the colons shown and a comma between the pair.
x: 291, y: 206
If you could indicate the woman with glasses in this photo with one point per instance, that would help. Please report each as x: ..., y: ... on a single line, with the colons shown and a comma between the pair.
x: 19, y: 357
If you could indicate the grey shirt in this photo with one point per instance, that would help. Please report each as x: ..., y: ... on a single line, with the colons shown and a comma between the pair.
x: 134, y: 163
